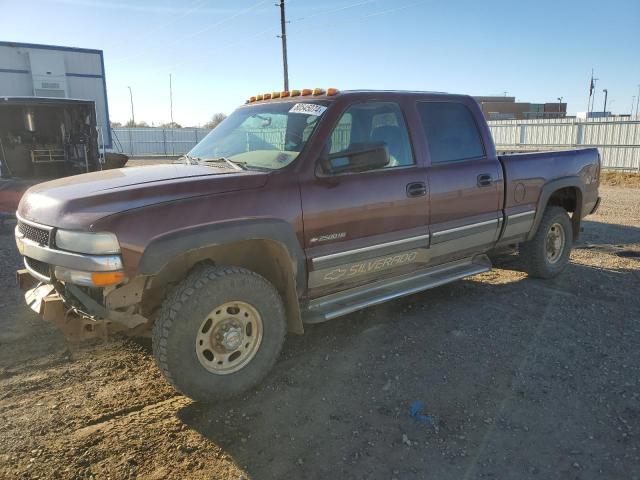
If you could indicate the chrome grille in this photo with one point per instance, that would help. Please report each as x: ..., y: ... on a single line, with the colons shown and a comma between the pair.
x: 39, y: 235
x: 37, y: 266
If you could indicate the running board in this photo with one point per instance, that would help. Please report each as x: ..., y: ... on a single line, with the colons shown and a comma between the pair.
x: 341, y: 303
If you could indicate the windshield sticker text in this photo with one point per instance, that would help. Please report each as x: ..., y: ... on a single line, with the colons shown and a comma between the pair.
x: 308, y: 109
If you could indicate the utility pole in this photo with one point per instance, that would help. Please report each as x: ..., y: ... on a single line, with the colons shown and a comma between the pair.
x: 283, y: 36
x: 170, y: 101
x: 133, y: 120
x: 133, y: 117
x: 638, y: 100
x: 633, y: 101
x: 173, y: 144
x: 604, y: 109
x: 559, y: 106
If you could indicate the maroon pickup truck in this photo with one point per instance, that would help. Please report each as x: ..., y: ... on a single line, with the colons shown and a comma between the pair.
x: 300, y: 207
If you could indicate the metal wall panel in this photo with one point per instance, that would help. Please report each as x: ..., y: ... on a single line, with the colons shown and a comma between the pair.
x: 617, y: 138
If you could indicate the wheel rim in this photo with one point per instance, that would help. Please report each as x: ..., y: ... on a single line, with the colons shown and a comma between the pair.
x: 229, y: 337
x: 555, y: 242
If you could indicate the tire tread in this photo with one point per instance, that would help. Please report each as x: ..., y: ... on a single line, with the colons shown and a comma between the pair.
x: 181, y: 294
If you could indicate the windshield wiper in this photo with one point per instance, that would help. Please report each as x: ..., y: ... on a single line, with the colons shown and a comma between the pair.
x: 231, y: 163
x: 188, y: 159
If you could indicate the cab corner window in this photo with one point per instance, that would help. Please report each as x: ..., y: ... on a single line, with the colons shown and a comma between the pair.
x: 369, y: 136
x: 451, y: 132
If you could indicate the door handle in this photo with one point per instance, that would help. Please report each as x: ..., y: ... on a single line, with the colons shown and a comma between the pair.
x: 484, y: 180
x: 416, y: 189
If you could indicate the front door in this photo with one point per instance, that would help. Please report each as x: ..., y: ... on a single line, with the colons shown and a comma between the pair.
x: 367, y: 223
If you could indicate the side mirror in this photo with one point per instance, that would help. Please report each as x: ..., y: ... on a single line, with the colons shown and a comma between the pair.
x: 360, y: 157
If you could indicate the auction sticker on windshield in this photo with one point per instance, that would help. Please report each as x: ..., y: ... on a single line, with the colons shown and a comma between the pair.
x: 308, y: 108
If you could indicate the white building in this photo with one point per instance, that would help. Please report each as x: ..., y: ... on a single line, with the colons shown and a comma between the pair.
x: 30, y: 70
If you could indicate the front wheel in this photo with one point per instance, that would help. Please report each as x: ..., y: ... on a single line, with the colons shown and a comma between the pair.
x: 219, y: 332
x: 547, y: 253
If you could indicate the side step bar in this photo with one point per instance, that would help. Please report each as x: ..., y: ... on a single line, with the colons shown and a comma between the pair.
x: 341, y: 303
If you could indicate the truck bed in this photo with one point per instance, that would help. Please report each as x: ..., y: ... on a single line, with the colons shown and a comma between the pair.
x: 526, y: 173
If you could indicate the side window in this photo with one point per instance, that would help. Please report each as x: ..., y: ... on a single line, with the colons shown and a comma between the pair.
x: 451, y: 131
x: 372, y: 123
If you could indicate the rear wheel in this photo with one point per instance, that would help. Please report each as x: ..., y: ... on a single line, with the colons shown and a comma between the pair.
x: 219, y: 332
x: 547, y: 253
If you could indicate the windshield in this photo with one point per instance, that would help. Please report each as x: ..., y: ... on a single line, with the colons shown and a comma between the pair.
x: 267, y: 136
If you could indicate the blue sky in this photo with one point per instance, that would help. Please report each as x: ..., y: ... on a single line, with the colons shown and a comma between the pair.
x: 221, y: 52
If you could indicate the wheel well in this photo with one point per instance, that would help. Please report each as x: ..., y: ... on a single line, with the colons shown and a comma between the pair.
x: 569, y: 198
x: 268, y: 258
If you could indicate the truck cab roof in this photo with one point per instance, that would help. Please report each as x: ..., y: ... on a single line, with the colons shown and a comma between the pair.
x: 350, y: 95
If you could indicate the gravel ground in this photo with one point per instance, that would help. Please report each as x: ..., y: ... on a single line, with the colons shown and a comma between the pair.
x: 524, y: 378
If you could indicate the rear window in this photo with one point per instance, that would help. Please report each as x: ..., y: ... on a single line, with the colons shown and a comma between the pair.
x: 451, y: 131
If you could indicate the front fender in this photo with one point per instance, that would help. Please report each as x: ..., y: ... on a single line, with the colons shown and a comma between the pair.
x: 163, y: 249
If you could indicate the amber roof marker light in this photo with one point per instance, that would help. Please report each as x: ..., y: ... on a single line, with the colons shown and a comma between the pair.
x: 294, y: 93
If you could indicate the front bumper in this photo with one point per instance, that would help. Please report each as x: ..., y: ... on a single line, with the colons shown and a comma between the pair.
x: 78, y: 314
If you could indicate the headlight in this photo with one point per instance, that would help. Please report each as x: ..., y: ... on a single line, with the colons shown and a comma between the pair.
x: 103, y: 243
x: 90, y: 279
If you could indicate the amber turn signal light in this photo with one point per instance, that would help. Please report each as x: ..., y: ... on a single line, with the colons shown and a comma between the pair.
x: 104, y: 279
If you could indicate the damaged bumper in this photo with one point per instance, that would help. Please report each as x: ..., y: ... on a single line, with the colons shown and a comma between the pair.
x: 85, y: 295
x: 80, y: 317
x: 45, y: 301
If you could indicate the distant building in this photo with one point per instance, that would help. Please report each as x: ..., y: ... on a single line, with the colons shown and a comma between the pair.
x: 506, y: 108
x: 584, y: 115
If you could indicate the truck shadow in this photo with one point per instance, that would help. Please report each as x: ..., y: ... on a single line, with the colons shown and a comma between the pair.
x: 598, y: 233
x: 339, y: 398
x: 620, y: 240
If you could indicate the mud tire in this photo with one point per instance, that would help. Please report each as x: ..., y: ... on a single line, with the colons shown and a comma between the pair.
x: 181, y: 316
x: 533, y: 254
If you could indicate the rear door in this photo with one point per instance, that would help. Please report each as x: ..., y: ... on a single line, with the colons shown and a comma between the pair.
x: 465, y: 182
x: 362, y: 226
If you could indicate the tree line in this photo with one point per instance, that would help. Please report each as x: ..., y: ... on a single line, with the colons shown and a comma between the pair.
x: 213, y: 123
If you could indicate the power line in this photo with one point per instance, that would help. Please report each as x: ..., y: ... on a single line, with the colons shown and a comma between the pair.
x: 333, y: 10
x: 170, y: 45
x: 219, y: 47
x: 192, y: 7
x: 367, y: 16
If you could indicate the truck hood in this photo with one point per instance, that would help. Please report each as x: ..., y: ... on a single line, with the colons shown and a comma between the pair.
x: 77, y: 202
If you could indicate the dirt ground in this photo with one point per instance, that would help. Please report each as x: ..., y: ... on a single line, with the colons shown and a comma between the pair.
x: 525, y: 378
x: 620, y: 179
